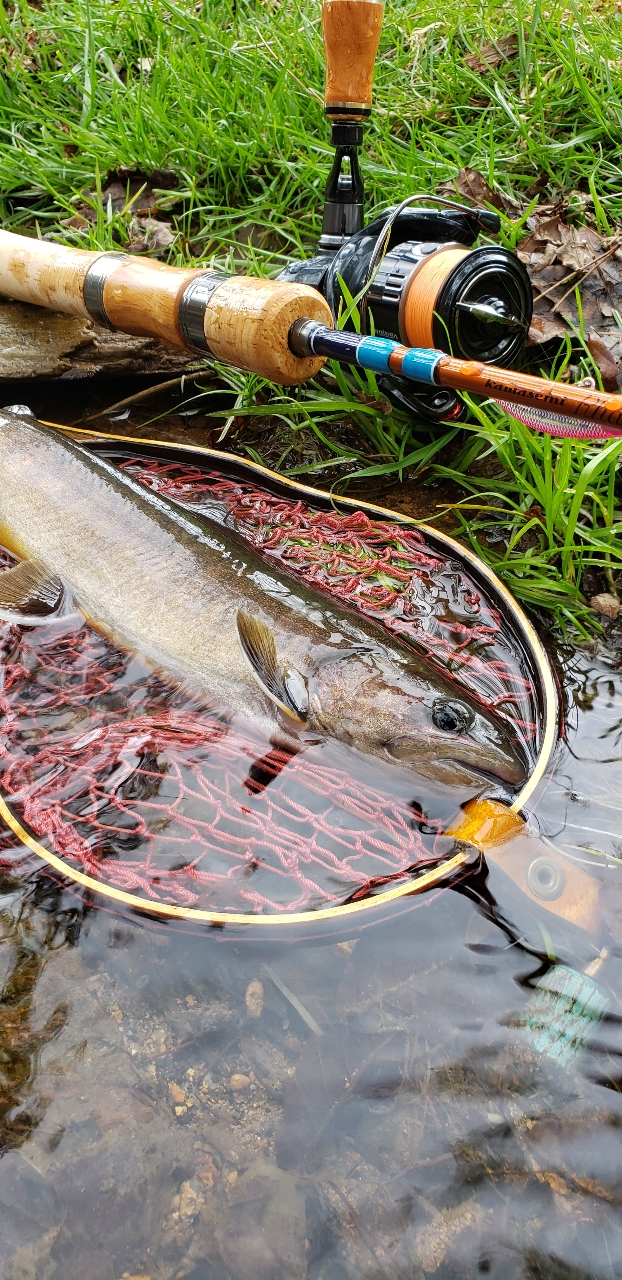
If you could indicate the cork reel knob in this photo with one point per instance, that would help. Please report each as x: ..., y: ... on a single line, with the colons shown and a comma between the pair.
x: 351, y: 30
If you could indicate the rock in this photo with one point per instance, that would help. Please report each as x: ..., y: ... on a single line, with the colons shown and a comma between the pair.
x: 177, y: 1094
x: 239, y: 1082
x: 224, y: 1138
x: 189, y: 1201
x: 263, y: 1231
x: 32, y: 1261
x: 254, y: 998
x: 207, y: 1172
x: 433, y: 1241
x: 606, y: 604
x: 29, y: 1206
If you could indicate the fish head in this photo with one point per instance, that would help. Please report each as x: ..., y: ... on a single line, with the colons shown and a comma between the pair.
x: 401, y: 712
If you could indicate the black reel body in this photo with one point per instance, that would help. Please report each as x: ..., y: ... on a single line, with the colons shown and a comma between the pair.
x: 429, y: 289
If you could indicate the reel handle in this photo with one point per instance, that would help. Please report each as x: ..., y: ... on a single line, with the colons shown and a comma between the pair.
x: 351, y: 30
x: 239, y: 320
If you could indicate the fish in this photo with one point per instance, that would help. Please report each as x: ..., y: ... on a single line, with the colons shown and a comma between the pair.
x: 191, y: 596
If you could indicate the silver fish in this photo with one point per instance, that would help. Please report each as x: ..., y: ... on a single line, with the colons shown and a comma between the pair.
x: 207, y: 611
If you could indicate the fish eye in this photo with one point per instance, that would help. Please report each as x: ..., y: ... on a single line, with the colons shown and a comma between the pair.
x: 451, y: 717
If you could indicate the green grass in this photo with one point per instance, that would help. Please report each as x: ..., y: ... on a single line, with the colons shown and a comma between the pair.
x: 226, y: 97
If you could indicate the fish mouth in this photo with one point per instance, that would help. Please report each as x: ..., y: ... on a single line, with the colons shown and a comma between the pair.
x: 509, y: 773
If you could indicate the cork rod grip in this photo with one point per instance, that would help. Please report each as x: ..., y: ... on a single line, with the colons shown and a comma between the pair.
x: 242, y: 321
x: 351, y: 30
x: 142, y: 297
x: 247, y: 324
x: 49, y: 275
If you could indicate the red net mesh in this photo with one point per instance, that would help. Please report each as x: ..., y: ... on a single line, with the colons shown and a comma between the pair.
x: 137, y: 785
x: 384, y: 570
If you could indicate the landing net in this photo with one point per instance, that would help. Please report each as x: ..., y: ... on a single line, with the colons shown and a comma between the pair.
x: 383, y: 570
x: 150, y: 792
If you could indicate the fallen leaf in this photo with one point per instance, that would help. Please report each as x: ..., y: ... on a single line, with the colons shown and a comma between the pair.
x: 606, y: 604
x: 492, y: 54
x: 543, y: 329
x: 378, y: 402
x: 603, y: 359
x: 176, y: 1093
x: 559, y: 258
x: 78, y: 222
x: 143, y: 193
x: 148, y: 235
x: 472, y: 186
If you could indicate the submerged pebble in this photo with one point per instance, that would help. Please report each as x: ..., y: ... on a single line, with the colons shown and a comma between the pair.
x: 254, y: 998
x: 239, y: 1082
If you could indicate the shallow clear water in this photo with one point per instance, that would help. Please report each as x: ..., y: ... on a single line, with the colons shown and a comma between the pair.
x: 417, y: 1135
x: 402, y: 1103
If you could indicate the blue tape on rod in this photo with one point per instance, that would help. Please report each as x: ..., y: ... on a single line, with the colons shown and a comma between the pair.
x: 373, y: 353
x: 419, y: 365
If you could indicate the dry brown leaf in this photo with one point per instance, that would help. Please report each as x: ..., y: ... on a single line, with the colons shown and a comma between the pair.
x: 543, y: 329
x: 472, y: 186
x: 75, y: 223
x: 147, y: 235
x: 142, y: 193
x: 606, y: 604
x: 603, y: 358
x: 559, y: 258
x: 492, y: 54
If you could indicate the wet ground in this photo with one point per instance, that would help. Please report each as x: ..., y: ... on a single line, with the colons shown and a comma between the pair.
x: 403, y: 1103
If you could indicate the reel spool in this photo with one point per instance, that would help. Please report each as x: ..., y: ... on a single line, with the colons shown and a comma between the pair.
x: 432, y: 288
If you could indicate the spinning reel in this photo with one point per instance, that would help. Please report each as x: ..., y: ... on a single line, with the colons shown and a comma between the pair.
x: 414, y: 270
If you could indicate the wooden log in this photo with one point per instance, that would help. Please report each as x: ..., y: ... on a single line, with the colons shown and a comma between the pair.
x: 38, y: 344
x: 351, y: 30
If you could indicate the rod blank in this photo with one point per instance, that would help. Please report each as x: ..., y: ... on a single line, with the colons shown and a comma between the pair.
x: 550, y: 400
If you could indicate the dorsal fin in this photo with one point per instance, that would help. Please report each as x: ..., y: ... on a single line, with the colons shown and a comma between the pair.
x: 287, y: 689
x: 29, y: 594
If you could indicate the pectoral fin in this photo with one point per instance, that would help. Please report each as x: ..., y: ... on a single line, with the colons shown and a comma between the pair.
x: 286, y: 688
x: 29, y: 594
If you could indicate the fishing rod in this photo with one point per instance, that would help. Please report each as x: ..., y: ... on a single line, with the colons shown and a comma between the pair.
x: 556, y: 408
x: 447, y: 317
x: 414, y: 269
x: 280, y: 330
